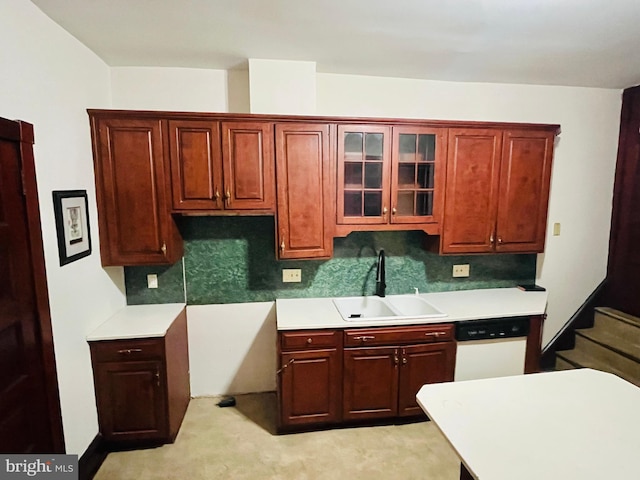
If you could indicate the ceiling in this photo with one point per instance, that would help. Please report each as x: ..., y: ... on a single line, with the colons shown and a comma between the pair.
x: 592, y: 43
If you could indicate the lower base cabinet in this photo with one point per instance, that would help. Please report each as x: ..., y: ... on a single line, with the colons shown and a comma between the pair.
x: 142, y: 386
x: 330, y: 377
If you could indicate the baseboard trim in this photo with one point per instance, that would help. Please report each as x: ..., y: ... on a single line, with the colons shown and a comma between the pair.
x: 91, y: 460
x: 547, y: 360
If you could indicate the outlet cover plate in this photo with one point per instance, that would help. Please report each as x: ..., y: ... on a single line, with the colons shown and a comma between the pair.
x: 291, y: 275
x: 461, y: 270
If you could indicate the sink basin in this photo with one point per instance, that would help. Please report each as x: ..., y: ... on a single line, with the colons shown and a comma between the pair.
x: 410, y: 305
x: 363, y: 308
x: 396, y: 307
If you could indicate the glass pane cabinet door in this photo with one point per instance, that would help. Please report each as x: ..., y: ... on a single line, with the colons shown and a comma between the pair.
x: 363, y: 174
x: 417, y: 156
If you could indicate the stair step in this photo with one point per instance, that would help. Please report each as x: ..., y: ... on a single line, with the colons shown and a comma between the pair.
x: 618, y: 315
x: 563, y: 364
x: 589, y: 354
x: 617, y: 336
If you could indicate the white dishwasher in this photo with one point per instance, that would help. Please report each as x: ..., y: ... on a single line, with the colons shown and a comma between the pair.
x: 491, y: 348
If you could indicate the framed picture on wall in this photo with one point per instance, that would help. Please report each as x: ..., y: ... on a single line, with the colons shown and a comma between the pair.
x: 72, y: 224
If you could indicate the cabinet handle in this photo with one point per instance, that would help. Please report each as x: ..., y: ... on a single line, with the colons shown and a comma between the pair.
x: 404, y: 356
x: 129, y: 351
x: 434, y: 334
x: 364, y: 338
x: 157, y: 375
x: 395, y: 357
x: 227, y: 195
x: 279, y: 371
x: 164, y: 248
x: 282, y: 246
x: 384, y: 211
x: 491, y: 239
x: 393, y: 210
x: 309, y: 341
x: 499, y: 240
x: 217, y: 194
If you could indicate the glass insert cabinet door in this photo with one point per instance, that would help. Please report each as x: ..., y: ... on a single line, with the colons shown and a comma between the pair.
x: 364, y: 172
x: 417, y: 161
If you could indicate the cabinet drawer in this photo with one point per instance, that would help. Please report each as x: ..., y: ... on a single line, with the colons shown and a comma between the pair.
x: 119, y: 350
x: 305, y: 339
x: 398, y: 335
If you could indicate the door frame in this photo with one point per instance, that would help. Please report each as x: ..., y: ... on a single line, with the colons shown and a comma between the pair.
x: 22, y: 133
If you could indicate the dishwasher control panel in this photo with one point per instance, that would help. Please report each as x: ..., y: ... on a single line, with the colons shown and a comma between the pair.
x: 494, y: 328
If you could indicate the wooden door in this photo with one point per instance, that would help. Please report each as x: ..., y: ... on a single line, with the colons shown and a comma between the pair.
x: 30, y: 419
x: 310, y: 387
x: 473, y: 169
x: 305, y: 190
x: 370, y: 383
x: 417, y: 174
x: 364, y: 174
x: 131, y: 400
x: 525, y: 175
x: 248, y: 165
x: 196, y: 165
x: 623, y: 272
x: 422, y: 364
x: 136, y: 227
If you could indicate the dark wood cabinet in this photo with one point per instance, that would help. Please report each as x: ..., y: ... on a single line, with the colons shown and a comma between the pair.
x: 142, y: 386
x: 309, y: 378
x: 382, y: 380
x: 389, y: 177
x: 134, y: 218
x: 221, y: 165
x: 497, y: 190
x: 305, y: 186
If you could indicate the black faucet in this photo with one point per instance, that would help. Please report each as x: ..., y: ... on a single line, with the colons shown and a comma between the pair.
x: 380, y: 280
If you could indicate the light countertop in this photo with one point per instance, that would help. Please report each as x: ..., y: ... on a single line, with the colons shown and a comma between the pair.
x: 138, y: 321
x: 318, y: 313
x: 556, y: 425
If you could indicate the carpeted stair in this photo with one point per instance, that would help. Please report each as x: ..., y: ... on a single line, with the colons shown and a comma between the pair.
x: 611, y: 345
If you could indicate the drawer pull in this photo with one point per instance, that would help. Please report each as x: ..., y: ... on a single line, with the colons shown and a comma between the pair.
x: 309, y: 341
x: 434, y: 334
x: 129, y: 351
x: 364, y: 338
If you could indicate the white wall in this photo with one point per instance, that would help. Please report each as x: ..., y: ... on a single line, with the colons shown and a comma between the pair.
x: 49, y: 79
x: 575, y: 262
x: 173, y: 89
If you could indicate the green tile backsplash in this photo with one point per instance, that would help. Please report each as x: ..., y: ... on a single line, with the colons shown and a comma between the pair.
x: 232, y: 259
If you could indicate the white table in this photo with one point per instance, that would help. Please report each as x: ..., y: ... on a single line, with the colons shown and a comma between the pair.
x: 574, y: 424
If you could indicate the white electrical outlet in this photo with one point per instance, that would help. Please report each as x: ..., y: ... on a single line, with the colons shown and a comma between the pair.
x: 152, y: 280
x: 461, y: 270
x: 291, y: 275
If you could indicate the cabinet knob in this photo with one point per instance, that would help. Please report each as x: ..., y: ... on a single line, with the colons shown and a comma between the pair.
x: 385, y: 210
x: 227, y: 194
x: 164, y: 248
x: 393, y: 210
x: 499, y: 240
x: 216, y: 195
x: 491, y: 239
x: 309, y: 341
x: 282, y: 246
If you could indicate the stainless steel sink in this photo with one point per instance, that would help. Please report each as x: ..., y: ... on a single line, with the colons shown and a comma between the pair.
x: 398, y: 307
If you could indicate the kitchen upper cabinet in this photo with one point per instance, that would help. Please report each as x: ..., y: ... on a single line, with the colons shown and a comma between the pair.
x: 389, y: 177
x: 220, y: 166
x: 131, y: 175
x: 497, y: 190
x: 305, y: 214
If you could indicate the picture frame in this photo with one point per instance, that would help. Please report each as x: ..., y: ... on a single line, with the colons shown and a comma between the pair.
x: 71, y: 212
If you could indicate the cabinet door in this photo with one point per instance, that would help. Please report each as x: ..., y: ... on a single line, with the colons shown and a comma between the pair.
x: 370, y: 383
x: 422, y: 364
x: 310, y: 387
x: 417, y: 174
x: 473, y: 168
x: 525, y: 175
x: 136, y: 227
x: 131, y: 400
x: 196, y: 165
x: 305, y: 190
x: 363, y: 177
x: 247, y: 155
